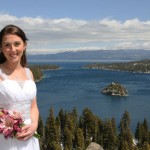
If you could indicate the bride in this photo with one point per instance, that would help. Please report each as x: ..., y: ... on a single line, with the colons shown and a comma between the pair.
x: 17, y: 88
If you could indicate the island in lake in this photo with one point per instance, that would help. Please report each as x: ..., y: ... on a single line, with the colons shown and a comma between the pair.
x: 115, y: 89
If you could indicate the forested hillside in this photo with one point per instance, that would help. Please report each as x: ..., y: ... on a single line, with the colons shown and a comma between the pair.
x: 134, y: 66
x: 69, y: 131
x: 37, y: 70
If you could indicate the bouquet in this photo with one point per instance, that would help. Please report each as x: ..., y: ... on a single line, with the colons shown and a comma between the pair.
x: 11, y: 122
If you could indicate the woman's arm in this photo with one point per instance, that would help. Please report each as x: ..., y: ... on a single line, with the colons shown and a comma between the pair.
x: 34, y: 112
x: 29, y: 130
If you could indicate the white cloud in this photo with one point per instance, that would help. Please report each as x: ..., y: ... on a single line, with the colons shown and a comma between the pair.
x: 66, y: 34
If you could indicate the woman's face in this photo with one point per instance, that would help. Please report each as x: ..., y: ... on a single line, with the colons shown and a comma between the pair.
x: 13, y: 47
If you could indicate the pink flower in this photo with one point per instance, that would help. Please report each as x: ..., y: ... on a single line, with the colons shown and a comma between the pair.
x: 8, y: 132
x: 11, y: 123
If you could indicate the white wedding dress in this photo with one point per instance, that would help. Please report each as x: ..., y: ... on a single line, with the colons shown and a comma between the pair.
x: 17, y: 95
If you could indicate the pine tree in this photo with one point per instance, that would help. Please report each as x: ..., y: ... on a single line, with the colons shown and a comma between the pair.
x: 109, y: 136
x: 146, y: 131
x: 79, y: 139
x: 139, y: 134
x: 142, y: 133
x: 75, y: 116
x: 90, y: 126
x: 58, y: 128
x: 100, y: 124
x: 125, y: 136
x: 69, y: 122
x: 51, y: 133
x: 61, y: 116
x: 96, y: 130
x: 138, y: 131
x: 68, y: 144
x: 88, y: 123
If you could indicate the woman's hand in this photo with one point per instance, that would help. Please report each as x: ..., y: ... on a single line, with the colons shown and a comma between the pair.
x: 27, y: 132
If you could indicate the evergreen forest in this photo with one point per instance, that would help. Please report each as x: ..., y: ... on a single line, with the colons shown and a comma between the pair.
x: 69, y: 131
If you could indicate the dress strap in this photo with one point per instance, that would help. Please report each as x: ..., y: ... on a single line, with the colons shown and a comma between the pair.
x: 2, y: 74
x: 28, y: 73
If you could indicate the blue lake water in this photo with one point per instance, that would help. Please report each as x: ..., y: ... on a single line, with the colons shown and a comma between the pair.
x: 70, y: 86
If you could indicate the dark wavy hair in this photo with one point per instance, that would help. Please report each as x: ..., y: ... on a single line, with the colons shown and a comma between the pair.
x: 12, y: 29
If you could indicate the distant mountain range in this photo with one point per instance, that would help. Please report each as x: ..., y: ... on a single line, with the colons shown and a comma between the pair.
x: 95, y: 55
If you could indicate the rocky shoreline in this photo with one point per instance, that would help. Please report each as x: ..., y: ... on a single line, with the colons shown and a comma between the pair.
x: 142, y: 66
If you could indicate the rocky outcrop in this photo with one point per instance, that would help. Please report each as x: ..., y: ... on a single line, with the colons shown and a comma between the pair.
x: 115, y: 89
x: 94, y: 146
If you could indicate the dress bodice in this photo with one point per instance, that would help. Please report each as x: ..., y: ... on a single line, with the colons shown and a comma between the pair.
x: 17, y: 95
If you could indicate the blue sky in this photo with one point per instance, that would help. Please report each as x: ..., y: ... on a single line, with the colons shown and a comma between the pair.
x: 54, y: 26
